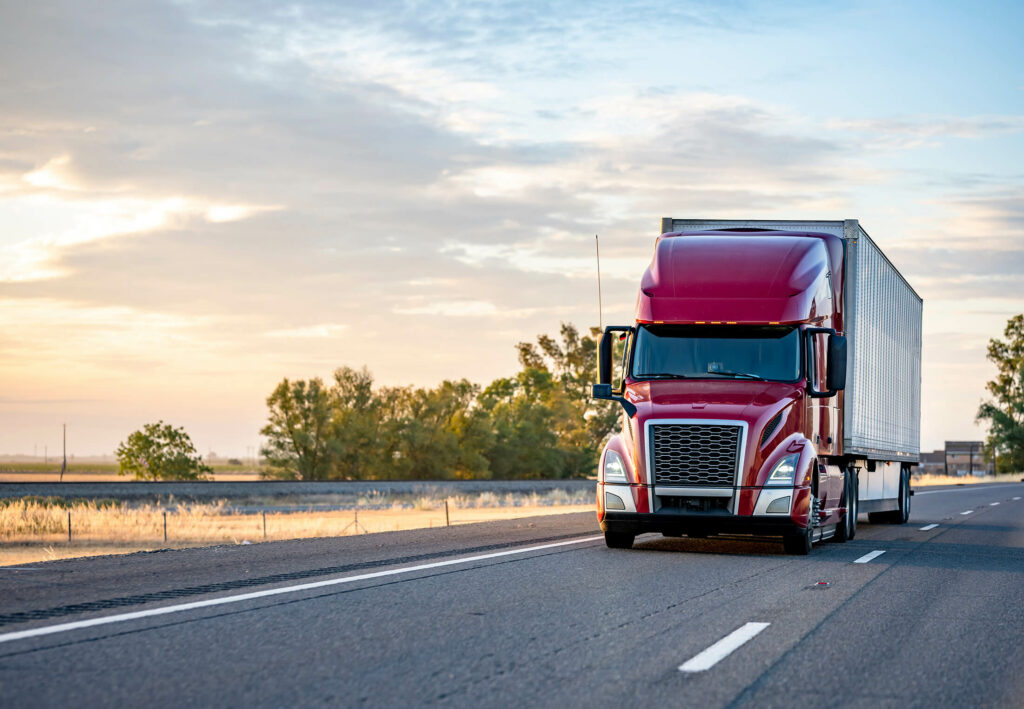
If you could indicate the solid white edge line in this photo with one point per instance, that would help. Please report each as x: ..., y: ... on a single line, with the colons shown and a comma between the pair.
x: 121, y: 617
x: 869, y: 556
x: 967, y: 512
x: 710, y: 657
x: 929, y: 526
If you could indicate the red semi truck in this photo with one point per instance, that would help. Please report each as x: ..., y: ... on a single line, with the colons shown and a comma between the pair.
x: 770, y: 385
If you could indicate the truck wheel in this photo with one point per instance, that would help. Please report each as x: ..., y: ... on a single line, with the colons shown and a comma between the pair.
x: 847, y: 527
x: 855, y: 498
x: 619, y: 540
x: 798, y: 543
x: 903, y: 514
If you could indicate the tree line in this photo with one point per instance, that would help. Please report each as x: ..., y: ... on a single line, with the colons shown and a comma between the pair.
x: 539, y: 423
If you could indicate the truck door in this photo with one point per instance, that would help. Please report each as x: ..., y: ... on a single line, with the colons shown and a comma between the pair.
x: 823, y: 419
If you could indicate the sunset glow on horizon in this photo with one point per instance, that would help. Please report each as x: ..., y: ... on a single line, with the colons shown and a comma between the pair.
x: 199, y: 199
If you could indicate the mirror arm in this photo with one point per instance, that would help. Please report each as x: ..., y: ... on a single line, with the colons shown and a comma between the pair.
x: 604, y: 391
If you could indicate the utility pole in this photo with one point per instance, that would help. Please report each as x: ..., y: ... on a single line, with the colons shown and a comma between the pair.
x: 64, y: 465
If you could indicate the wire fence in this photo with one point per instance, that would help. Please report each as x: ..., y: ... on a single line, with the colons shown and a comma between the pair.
x: 35, y: 521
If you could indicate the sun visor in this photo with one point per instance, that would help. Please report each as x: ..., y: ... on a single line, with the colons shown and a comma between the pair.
x: 734, y: 278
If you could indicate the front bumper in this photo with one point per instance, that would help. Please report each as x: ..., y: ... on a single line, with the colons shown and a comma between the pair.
x: 634, y: 523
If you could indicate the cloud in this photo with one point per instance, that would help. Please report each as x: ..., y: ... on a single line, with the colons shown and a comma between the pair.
x: 916, y: 131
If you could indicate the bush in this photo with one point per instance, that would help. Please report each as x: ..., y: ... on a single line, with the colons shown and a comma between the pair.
x: 161, y: 452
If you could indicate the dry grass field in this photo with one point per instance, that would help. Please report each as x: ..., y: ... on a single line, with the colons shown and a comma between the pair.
x: 107, y: 477
x: 927, y: 480
x: 20, y: 472
x: 37, y: 530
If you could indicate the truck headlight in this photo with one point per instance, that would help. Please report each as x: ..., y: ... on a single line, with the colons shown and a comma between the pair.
x: 613, y: 469
x: 784, y: 471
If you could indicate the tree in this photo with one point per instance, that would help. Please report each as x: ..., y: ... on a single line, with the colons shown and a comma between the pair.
x: 1006, y: 413
x: 357, y: 426
x: 299, y: 432
x: 525, y: 443
x: 580, y: 422
x: 161, y: 452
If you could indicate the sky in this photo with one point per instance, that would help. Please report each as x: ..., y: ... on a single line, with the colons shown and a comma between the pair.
x: 200, y: 199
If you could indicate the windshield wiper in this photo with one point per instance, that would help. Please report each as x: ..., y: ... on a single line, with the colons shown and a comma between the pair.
x: 737, y: 375
x: 661, y: 375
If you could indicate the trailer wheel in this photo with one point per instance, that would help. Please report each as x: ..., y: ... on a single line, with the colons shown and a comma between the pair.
x: 798, y: 543
x: 847, y: 527
x: 855, y: 497
x: 903, y: 514
x: 619, y: 540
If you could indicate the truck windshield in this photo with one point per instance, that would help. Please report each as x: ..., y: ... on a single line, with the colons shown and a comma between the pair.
x: 731, y: 352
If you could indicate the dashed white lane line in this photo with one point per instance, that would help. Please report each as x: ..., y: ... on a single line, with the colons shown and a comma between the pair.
x: 992, y: 504
x: 929, y: 526
x: 120, y: 617
x: 1016, y: 498
x: 868, y: 557
x: 722, y: 649
x: 967, y: 512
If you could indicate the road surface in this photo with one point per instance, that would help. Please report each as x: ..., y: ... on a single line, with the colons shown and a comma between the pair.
x: 538, y: 613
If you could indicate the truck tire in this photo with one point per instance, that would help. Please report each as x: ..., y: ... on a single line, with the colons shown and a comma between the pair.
x: 847, y: 527
x: 798, y: 543
x: 903, y: 514
x: 619, y: 540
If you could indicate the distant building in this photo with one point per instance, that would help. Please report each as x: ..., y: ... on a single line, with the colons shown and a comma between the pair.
x: 957, y: 458
x: 933, y: 463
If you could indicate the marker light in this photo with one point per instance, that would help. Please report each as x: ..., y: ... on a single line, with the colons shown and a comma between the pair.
x: 613, y: 469
x: 784, y: 471
x: 613, y: 502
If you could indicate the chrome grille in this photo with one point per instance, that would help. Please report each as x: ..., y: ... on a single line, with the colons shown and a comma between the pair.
x: 695, y: 454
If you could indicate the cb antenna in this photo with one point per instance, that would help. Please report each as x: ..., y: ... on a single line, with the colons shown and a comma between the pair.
x: 600, y: 307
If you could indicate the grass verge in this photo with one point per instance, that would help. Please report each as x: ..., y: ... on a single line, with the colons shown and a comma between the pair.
x: 36, y: 529
x: 928, y: 480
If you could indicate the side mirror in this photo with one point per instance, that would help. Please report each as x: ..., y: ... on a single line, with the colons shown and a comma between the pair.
x: 604, y: 359
x: 835, y: 362
x: 835, y: 377
x: 603, y: 389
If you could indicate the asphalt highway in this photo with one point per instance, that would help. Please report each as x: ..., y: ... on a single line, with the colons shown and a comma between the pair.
x: 538, y: 612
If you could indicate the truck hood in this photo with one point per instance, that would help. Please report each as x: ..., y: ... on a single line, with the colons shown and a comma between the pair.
x: 733, y: 399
